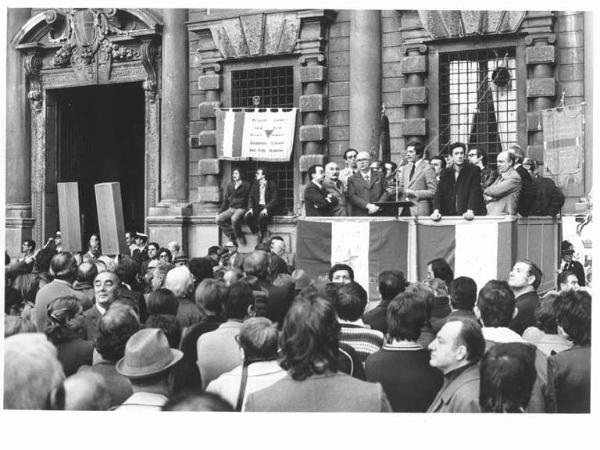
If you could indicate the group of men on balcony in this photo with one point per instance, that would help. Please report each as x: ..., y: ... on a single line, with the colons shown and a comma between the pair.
x: 456, y: 185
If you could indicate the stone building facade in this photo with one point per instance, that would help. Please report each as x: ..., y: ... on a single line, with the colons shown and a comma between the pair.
x: 155, y: 77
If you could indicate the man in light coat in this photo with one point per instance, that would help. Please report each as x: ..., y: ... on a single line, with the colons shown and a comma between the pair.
x: 417, y: 182
x: 502, y: 196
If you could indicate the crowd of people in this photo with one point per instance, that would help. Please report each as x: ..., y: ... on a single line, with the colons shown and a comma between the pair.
x: 152, y: 330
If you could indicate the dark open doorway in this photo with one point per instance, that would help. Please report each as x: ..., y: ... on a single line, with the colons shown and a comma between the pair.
x: 100, y: 138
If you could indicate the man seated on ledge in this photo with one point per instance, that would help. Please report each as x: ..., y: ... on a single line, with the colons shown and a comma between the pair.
x: 459, y: 190
x: 262, y: 203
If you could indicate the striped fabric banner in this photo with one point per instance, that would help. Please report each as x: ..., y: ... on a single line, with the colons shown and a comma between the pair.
x: 230, y: 132
x: 368, y: 246
x: 480, y: 249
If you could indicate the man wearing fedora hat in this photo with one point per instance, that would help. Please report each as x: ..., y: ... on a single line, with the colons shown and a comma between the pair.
x: 147, y: 363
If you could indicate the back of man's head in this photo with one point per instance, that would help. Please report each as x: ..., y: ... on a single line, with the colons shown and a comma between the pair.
x: 115, y: 327
x: 201, y: 268
x: 238, y: 298
x: 209, y: 296
x: 391, y: 283
x: 258, y: 338
x: 170, y: 326
x: 127, y: 269
x: 86, y: 391
x: 179, y: 281
x: 162, y: 301
x: 257, y: 264
x: 33, y: 375
x: 350, y: 301
x: 507, y: 376
x: 86, y: 272
x: 463, y: 293
x: 406, y: 315
x: 518, y: 152
x: 200, y: 401
x: 496, y: 304
x: 63, y: 266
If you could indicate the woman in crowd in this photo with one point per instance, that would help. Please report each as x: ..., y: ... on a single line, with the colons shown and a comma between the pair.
x: 64, y: 329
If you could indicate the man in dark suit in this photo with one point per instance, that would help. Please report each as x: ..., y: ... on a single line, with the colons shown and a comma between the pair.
x: 527, y: 196
x: 569, y: 371
x: 459, y: 190
x: 107, y: 288
x: 332, y: 185
x: 262, y: 203
x: 524, y: 279
x: 316, y: 201
x: 365, y: 188
x: 549, y: 199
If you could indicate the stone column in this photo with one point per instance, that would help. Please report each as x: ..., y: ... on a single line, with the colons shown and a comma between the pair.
x: 365, y: 79
x: 19, y: 221
x: 174, y: 113
x: 169, y: 220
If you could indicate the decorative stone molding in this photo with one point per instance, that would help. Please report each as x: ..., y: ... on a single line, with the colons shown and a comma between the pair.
x: 33, y: 65
x: 444, y: 24
x: 74, y: 47
x: 149, y: 52
x: 265, y: 34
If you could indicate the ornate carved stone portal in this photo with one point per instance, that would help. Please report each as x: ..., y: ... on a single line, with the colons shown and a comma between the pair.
x: 72, y: 47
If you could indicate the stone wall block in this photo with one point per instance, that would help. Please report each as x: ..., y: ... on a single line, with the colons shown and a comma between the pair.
x: 207, y: 109
x: 313, y: 74
x: 414, y: 64
x: 209, y: 166
x: 313, y: 133
x: 211, y: 81
x: 541, y: 87
x: 413, y: 96
x: 534, y: 121
x: 543, y: 54
x: 313, y: 103
x: 308, y: 160
x: 209, y: 194
x: 414, y: 127
x: 207, y: 137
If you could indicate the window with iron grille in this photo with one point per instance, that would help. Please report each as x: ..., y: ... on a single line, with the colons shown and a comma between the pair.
x: 275, y: 88
x: 478, y: 100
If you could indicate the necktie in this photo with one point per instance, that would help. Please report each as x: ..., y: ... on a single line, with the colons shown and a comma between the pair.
x: 412, y: 172
x: 368, y: 177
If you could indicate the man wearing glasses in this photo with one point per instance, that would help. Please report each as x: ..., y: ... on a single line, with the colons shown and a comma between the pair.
x: 365, y: 187
x: 477, y: 158
x: 350, y: 169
